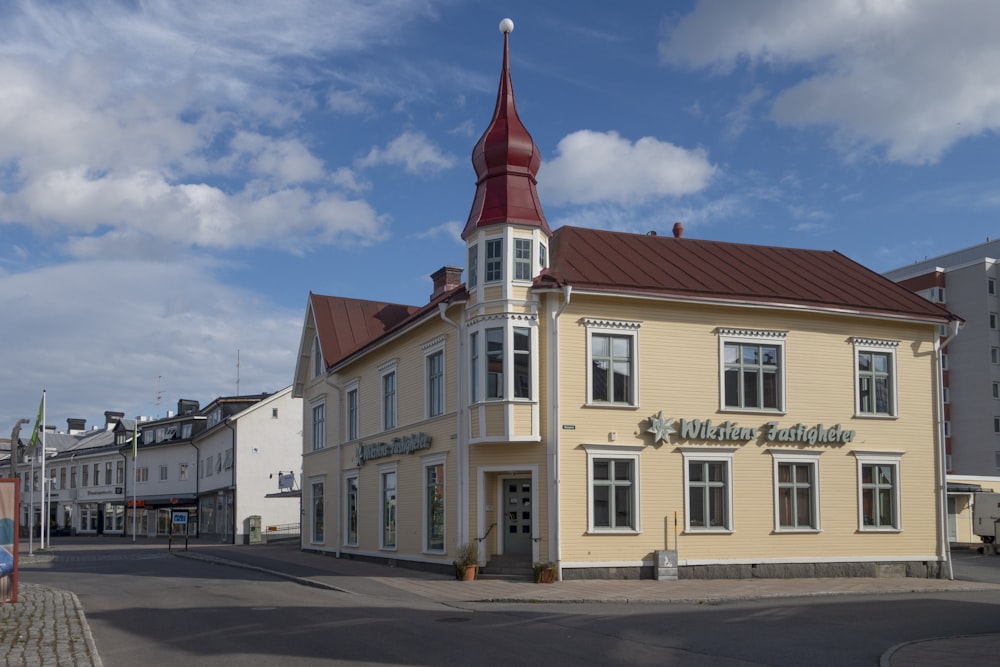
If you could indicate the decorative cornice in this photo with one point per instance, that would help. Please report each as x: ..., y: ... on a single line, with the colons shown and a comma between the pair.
x: 431, y: 344
x: 491, y: 317
x: 602, y: 323
x: 389, y: 365
x: 751, y: 333
x: 874, y: 342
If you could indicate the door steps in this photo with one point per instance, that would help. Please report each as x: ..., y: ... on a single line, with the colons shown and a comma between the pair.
x: 509, y: 567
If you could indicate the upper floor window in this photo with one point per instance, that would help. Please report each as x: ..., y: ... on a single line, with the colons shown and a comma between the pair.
x: 435, y: 384
x: 186, y: 431
x: 214, y: 418
x: 474, y: 366
x: 352, y: 413
x: 991, y: 285
x: 497, y: 361
x: 993, y: 320
x: 389, y: 400
x: 522, y: 259
x: 522, y: 362
x: 543, y: 256
x: 875, y: 367
x: 612, y: 349
x: 473, y: 266
x: 164, y: 473
x: 494, y: 363
x: 752, y: 367
x: 494, y: 260
x: 318, y: 427
x: 317, y: 358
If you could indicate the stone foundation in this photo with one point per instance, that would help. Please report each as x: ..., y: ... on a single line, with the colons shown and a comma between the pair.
x: 918, y: 569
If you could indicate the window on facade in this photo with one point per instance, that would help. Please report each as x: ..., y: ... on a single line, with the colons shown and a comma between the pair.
x: 494, y: 363
x: 494, y: 260
x: 996, y: 459
x: 474, y: 366
x: 318, y: 509
x: 996, y: 429
x: 434, y: 507
x: 435, y: 384
x: 186, y: 431
x: 351, y: 510
x: 708, y: 492
x: 879, y: 495
x: 389, y: 401
x: 473, y: 266
x: 753, y: 375
x: 218, y: 464
x: 522, y: 259
x: 614, y: 502
x: 142, y: 474
x: 947, y: 429
x: 147, y: 436
x: 163, y: 473
x: 389, y: 509
x: 991, y: 286
x: 97, y: 474
x: 318, y: 426
x: 352, y: 414
x: 229, y: 459
x: 62, y: 478
x: 993, y: 320
x: 796, y: 493
x: 72, y: 477
x: 996, y: 390
x: 120, y: 472
x: 274, y: 413
x: 210, y: 466
x: 522, y: 362
x: 107, y: 472
x: 85, y: 478
x: 183, y: 472
x: 612, y: 369
x: 543, y: 256
x: 876, y: 381
x: 317, y: 358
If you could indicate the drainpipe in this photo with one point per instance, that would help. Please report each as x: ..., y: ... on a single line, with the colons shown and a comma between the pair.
x: 944, y: 543
x: 554, y: 432
x: 462, y: 443
x: 197, y: 484
x: 340, y: 453
x: 232, y: 476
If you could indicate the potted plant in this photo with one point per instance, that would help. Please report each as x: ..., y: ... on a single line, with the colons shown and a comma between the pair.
x: 546, y: 573
x: 466, y: 561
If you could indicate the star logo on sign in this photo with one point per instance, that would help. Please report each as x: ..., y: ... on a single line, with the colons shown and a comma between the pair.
x: 660, y: 428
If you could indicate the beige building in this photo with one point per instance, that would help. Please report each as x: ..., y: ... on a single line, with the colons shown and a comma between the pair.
x: 620, y: 404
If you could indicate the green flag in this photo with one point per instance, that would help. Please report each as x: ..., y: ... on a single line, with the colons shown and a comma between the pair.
x: 38, y: 422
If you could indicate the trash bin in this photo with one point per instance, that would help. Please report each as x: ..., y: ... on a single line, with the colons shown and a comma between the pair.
x: 254, y: 532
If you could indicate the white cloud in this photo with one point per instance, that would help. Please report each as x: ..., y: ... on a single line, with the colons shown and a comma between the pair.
x: 447, y: 231
x: 412, y: 150
x: 909, y: 79
x: 140, y: 320
x: 591, y: 167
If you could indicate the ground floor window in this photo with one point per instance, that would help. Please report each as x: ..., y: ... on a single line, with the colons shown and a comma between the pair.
x: 317, y: 512
x: 614, y: 488
x: 878, y: 486
x: 796, y: 487
x: 88, y: 517
x: 434, y: 505
x: 388, y: 509
x: 708, y: 480
x: 114, y: 517
x: 351, y: 509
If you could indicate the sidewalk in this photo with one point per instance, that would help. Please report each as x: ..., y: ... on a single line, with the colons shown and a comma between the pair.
x: 68, y: 640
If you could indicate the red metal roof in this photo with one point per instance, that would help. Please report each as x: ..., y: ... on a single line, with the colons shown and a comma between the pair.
x: 695, y: 269
x: 506, y: 160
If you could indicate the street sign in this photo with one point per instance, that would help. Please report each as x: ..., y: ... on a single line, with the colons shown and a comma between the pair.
x: 179, y: 516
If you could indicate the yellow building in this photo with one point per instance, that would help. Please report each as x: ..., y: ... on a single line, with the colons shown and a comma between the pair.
x: 625, y: 405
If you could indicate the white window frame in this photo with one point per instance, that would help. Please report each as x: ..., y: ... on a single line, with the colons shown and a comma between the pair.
x: 183, y: 471
x: 475, y: 391
x: 388, y: 397
x: 629, y: 453
x: 164, y: 473
x: 717, y: 455
x: 753, y: 337
x: 480, y: 377
x: 616, y: 328
x: 352, y: 416
x: 494, y: 266
x: 317, y: 428
x: 317, y: 536
x: 384, y: 470
x: 434, y: 381
x: 352, y: 476
x: 426, y: 463
x: 473, y: 273
x: 522, y: 265
x: 875, y: 346
x: 795, y: 457
x: 893, y: 459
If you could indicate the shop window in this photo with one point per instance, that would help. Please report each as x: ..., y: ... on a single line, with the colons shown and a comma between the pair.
x: 317, y: 513
x: 752, y: 368
x: 614, y: 488
x: 388, y: 484
x: 708, y: 480
x: 434, y: 506
x: 612, y: 365
x: 522, y: 259
x: 875, y: 368
x: 351, y: 510
x: 796, y: 489
x: 878, y: 485
x: 318, y: 426
x: 494, y: 260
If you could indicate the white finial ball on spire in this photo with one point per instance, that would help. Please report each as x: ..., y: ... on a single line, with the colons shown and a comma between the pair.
x: 506, y: 26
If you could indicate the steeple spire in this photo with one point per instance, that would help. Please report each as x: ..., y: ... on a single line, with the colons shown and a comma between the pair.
x: 506, y: 160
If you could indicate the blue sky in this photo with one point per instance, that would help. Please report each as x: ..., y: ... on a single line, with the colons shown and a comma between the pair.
x: 176, y: 176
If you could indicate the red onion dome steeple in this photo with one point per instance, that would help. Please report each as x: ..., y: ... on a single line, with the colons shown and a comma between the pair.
x: 506, y: 160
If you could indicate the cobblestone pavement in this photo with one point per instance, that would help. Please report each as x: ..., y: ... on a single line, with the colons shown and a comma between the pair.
x: 46, y: 628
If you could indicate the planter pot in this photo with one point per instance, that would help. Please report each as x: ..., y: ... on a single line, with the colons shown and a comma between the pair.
x: 470, y: 573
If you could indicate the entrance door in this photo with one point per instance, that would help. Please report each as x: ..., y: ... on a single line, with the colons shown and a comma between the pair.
x: 517, y: 516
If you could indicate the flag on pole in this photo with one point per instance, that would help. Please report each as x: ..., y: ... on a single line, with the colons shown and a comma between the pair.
x: 135, y: 439
x: 38, y: 421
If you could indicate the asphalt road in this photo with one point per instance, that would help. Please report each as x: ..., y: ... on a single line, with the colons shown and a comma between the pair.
x: 146, y: 607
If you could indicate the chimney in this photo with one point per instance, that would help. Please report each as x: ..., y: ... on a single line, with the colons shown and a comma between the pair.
x: 187, y: 406
x: 75, y: 425
x: 446, y: 279
x: 678, y: 230
x: 110, y: 418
